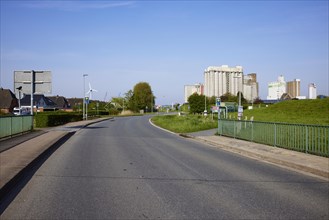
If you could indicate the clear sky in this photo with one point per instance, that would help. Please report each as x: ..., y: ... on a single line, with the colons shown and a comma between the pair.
x: 165, y: 43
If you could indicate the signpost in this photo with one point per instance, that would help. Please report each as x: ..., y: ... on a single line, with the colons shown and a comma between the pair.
x: 240, y: 112
x: 218, y: 101
x: 33, y: 82
x: 86, y: 103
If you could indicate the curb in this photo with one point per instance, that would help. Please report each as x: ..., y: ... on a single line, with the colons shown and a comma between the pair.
x: 294, y: 166
x: 94, y: 122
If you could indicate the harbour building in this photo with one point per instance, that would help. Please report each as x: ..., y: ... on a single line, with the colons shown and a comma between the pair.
x: 293, y: 88
x: 276, y: 89
x: 219, y: 80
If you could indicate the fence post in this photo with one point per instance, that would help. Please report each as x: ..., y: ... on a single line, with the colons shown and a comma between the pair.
x: 234, y: 128
x: 252, y: 131
x: 306, y: 139
x: 22, y: 121
x: 11, y: 126
x: 274, y: 134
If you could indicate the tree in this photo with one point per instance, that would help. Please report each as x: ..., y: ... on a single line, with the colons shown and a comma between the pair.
x: 211, y: 101
x: 176, y: 106
x: 143, y: 97
x: 129, y: 97
x: 118, y: 102
x: 196, y: 102
x: 243, y: 100
x: 228, y: 97
x: 258, y: 101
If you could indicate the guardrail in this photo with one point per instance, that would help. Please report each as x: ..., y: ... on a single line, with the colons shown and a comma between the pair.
x: 313, y: 139
x: 12, y: 125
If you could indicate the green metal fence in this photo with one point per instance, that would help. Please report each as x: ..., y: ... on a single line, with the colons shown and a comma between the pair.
x: 311, y: 139
x: 13, y: 125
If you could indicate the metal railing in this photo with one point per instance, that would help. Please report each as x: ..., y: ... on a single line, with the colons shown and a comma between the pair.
x: 313, y: 139
x: 12, y: 125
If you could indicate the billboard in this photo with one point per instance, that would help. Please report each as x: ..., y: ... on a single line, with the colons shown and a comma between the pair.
x: 41, y: 81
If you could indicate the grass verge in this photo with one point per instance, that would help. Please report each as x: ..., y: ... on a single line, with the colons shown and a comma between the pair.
x: 186, y: 123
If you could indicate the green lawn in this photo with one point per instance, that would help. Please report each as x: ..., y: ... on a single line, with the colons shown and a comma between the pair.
x: 186, y: 123
x: 307, y: 111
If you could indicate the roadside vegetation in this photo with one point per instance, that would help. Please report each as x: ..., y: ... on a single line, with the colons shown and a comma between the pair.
x: 309, y: 111
x: 185, y: 123
x: 315, y: 112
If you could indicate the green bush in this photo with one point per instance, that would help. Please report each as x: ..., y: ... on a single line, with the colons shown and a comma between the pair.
x: 55, y: 119
x: 96, y: 113
x: 113, y: 111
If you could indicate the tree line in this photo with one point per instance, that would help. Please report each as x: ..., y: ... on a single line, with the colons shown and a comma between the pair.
x: 139, y: 98
x: 200, y: 103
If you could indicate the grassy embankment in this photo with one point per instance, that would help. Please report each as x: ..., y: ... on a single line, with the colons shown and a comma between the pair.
x: 307, y: 111
x: 293, y: 111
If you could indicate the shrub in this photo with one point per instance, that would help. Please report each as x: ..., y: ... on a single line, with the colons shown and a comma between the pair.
x: 55, y: 119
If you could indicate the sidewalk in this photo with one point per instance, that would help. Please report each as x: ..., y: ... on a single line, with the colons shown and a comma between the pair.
x: 14, y: 160
x: 298, y: 161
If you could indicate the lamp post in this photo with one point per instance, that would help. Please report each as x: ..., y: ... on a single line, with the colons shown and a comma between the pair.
x: 19, y: 98
x: 205, y: 105
x: 240, y: 109
x: 83, y: 98
x: 152, y: 99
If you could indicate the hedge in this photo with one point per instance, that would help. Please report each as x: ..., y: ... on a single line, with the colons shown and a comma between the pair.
x: 49, y: 120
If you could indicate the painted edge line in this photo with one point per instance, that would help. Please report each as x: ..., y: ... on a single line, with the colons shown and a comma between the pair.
x: 154, y: 125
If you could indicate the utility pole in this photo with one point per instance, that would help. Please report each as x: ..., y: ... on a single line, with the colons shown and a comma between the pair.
x: 240, y: 109
x: 83, y: 98
x: 205, y: 105
x: 32, y: 89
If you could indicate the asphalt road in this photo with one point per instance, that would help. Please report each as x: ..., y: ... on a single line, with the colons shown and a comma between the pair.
x: 127, y: 169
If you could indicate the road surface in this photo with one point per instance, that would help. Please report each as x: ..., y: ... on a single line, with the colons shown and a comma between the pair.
x: 128, y: 169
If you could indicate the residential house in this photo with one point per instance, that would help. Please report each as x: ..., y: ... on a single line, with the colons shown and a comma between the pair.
x: 75, y: 103
x: 8, y: 101
x: 40, y: 103
x: 62, y: 102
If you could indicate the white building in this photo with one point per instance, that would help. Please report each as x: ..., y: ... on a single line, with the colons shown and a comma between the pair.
x: 276, y: 89
x: 223, y: 79
x: 250, y: 87
x: 311, y: 91
x: 191, y: 89
x: 293, y: 88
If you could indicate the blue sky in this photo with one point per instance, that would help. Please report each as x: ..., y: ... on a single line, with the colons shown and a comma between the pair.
x: 165, y: 43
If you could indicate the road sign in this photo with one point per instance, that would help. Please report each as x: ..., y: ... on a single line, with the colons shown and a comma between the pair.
x: 240, y: 112
x: 87, y: 100
x: 240, y: 109
x: 41, y: 81
x: 218, y: 101
x: 214, y: 108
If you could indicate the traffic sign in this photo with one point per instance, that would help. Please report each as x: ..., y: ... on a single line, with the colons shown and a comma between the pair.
x: 218, y: 101
x: 87, y: 100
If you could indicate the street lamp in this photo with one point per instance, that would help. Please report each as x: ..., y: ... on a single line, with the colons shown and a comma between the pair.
x: 205, y: 105
x: 83, y: 98
x: 19, y: 98
x: 240, y: 110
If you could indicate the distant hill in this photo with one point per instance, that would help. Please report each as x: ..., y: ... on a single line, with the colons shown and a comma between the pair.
x: 308, y: 111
